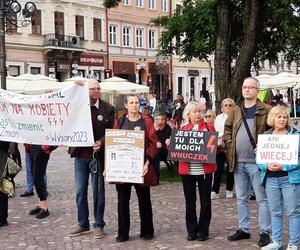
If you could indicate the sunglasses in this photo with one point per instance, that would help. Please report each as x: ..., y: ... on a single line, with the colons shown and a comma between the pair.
x: 207, y: 116
x: 227, y: 105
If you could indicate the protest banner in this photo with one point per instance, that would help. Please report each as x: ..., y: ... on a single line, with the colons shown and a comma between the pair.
x: 58, y: 118
x: 281, y: 149
x: 193, y: 146
x: 124, y: 155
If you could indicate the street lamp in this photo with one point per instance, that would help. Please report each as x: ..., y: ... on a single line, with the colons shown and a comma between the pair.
x: 11, y: 18
x: 160, y: 66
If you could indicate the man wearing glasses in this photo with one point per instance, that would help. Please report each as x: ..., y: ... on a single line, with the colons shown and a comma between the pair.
x: 240, y: 135
x: 102, y: 117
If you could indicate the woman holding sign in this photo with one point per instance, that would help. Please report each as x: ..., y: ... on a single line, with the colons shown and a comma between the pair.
x: 196, y: 173
x: 134, y: 120
x: 282, y: 183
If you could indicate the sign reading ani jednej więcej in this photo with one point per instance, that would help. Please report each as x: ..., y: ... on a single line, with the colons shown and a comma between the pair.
x: 193, y: 146
x: 57, y: 118
x: 124, y: 155
x: 281, y: 149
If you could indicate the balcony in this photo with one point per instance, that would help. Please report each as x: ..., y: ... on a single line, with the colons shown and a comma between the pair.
x: 62, y: 41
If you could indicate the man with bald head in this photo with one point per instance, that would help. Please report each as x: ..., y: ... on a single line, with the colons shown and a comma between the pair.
x: 240, y: 145
x: 102, y: 118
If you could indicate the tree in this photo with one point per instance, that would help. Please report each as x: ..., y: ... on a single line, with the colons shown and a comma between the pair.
x: 244, y: 31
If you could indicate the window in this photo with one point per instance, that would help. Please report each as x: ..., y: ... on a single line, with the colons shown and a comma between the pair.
x: 164, y: 5
x: 139, y: 3
x: 35, y: 70
x: 81, y: 72
x: 126, y: 2
x: 14, y: 70
x: 126, y: 36
x: 152, y: 39
x: 59, y: 23
x: 180, y: 83
x: 12, y: 24
x: 97, y: 29
x: 79, y: 26
x: 152, y: 4
x: 192, y: 86
x: 36, y: 23
x: 97, y: 75
x: 139, y: 37
x: 112, y: 34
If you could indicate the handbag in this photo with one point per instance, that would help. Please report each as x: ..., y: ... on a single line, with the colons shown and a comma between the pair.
x: 150, y: 179
x: 8, y: 187
x: 12, y: 168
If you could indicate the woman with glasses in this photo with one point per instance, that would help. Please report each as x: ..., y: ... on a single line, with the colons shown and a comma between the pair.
x: 226, y: 107
x: 210, y: 116
x: 134, y: 120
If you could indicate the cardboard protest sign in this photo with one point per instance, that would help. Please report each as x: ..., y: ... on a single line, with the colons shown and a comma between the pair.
x: 124, y: 155
x: 193, y: 146
x: 57, y: 118
x: 281, y: 149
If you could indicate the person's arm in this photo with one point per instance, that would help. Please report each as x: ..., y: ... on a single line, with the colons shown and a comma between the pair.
x: 228, y: 129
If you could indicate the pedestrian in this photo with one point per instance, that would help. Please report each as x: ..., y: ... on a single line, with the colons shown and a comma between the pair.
x: 152, y: 104
x: 134, y: 120
x: 29, y: 178
x: 282, y: 184
x: 39, y: 156
x: 240, y: 135
x: 227, y: 106
x: 176, y: 110
x: 102, y: 115
x: 196, y: 174
x: 4, y: 148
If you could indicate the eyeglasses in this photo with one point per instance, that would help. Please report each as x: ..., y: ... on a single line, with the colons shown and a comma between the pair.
x: 94, y: 89
x: 207, y: 116
x: 227, y: 105
x: 249, y: 87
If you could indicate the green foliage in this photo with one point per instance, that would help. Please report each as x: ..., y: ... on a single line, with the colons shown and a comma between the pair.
x: 196, y: 25
x: 111, y: 3
x: 169, y: 175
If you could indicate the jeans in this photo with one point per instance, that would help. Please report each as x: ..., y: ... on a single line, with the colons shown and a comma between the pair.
x: 29, y: 179
x: 244, y: 175
x: 82, y: 173
x: 282, y: 194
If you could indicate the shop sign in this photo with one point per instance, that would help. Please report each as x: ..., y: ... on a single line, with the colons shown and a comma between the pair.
x: 193, y: 72
x: 91, y: 60
x: 63, y: 67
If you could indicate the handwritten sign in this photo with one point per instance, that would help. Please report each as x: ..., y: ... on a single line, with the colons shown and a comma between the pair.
x: 124, y: 155
x: 58, y: 118
x: 281, y: 149
x: 193, y: 146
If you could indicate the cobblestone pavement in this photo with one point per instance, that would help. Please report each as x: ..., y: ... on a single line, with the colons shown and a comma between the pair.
x: 27, y: 232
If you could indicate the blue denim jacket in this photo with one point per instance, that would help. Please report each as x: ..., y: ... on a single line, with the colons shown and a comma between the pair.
x: 293, y: 170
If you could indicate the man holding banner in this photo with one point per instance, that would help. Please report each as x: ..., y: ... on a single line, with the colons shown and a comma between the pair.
x: 240, y: 135
x: 85, y: 157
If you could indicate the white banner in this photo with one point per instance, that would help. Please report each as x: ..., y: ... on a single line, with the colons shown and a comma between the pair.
x: 57, y: 118
x: 281, y: 149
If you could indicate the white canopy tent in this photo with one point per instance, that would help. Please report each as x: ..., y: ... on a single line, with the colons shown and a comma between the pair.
x: 33, y: 84
x: 280, y: 81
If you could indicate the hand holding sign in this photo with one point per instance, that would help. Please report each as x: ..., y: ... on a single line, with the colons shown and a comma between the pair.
x: 274, y: 167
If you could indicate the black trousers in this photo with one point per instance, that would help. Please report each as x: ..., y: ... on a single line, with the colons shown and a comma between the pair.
x: 3, y: 207
x: 200, y: 228
x: 220, y: 160
x: 145, y: 208
x: 39, y: 161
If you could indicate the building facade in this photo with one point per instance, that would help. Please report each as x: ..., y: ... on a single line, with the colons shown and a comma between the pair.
x: 133, y: 42
x: 64, y: 39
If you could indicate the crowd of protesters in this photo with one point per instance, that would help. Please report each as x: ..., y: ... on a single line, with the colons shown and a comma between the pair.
x: 276, y: 186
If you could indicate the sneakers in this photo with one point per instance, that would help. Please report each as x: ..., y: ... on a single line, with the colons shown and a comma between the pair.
x: 214, y: 195
x: 292, y: 247
x: 264, y: 239
x: 34, y: 211
x: 239, y: 235
x: 43, y: 214
x: 79, y: 231
x: 273, y: 246
x: 98, y: 233
x: 229, y: 194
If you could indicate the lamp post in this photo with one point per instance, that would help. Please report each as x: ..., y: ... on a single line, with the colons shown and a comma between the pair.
x: 11, y: 17
x: 160, y: 66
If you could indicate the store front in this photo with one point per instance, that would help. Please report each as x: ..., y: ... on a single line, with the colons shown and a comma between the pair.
x: 124, y: 70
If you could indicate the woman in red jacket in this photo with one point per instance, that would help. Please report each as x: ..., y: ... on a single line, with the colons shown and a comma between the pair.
x: 193, y: 173
x: 134, y: 120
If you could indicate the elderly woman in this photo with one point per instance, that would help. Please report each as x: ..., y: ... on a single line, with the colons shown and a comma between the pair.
x: 210, y: 116
x: 226, y: 107
x: 193, y: 174
x: 282, y: 183
x: 134, y: 120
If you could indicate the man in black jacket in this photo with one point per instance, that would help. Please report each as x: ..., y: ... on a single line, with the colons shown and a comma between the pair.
x: 102, y: 118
